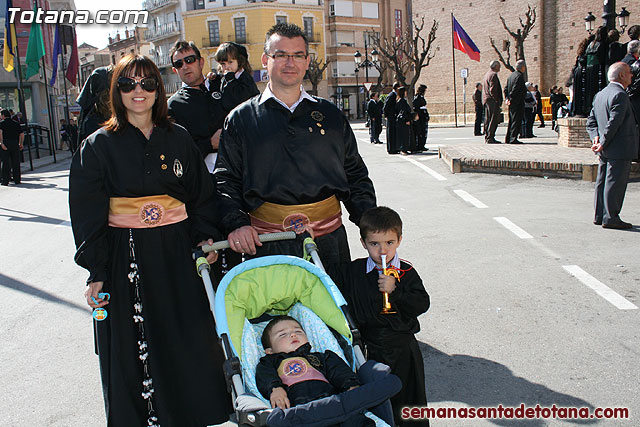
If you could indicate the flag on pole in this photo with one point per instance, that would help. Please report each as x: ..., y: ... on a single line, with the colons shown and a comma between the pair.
x: 10, y: 40
x: 74, y: 61
x: 463, y: 42
x: 56, y: 53
x: 35, y: 48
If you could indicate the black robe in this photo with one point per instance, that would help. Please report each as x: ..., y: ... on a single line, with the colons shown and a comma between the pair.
x: 389, y: 111
x: 268, y: 154
x: 579, y: 106
x: 185, y: 359
x: 390, y: 338
x: 404, y: 141
x: 201, y: 114
x: 232, y: 92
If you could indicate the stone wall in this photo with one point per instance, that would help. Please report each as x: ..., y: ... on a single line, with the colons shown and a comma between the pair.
x: 573, y: 133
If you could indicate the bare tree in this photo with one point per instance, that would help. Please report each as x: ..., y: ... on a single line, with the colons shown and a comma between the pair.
x: 315, y: 71
x: 409, y: 53
x: 519, y: 36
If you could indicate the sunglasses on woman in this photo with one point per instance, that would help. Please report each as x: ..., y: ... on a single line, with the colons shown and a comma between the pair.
x: 178, y: 63
x: 127, y: 84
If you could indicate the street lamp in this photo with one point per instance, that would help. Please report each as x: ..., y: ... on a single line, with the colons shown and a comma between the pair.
x: 357, y: 57
x: 590, y: 22
x: 623, y: 18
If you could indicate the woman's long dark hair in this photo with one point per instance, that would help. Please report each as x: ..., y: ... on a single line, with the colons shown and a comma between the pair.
x: 138, y: 66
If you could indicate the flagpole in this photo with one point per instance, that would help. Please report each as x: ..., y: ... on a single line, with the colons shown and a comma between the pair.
x: 52, y: 140
x: 21, y: 100
x: 453, y: 56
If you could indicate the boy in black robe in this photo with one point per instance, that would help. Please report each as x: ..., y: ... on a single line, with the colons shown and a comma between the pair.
x: 389, y: 338
x: 290, y: 374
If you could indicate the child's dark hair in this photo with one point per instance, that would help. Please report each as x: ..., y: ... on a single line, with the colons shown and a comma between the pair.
x: 234, y: 51
x: 380, y: 219
x: 266, y: 340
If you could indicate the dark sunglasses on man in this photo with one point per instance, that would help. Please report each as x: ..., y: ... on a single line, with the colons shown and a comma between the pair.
x: 127, y: 84
x: 178, y: 63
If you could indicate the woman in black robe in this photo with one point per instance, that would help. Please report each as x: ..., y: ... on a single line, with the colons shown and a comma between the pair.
x: 140, y: 200
x: 578, y: 80
x: 596, y: 78
x: 420, y: 125
x: 403, y: 122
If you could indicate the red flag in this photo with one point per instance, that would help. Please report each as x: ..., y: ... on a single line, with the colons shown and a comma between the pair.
x: 463, y: 42
x: 74, y: 62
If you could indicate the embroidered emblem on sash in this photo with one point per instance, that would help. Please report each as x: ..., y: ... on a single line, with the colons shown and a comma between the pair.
x: 317, y: 116
x: 216, y: 95
x: 296, y: 222
x: 177, y: 168
x: 294, y: 368
x: 151, y: 213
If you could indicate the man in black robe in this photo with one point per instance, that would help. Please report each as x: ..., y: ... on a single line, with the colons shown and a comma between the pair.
x: 193, y: 106
x: 288, y: 159
x: 375, y: 118
x: 514, y: 93
x: 389, y: 111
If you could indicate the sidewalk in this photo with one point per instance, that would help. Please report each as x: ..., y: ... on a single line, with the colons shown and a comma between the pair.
x: 539, y: 156
x: 44, y: 160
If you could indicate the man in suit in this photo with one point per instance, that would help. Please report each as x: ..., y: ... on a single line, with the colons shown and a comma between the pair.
x: 514, y: 94
x: 492, y: 101
x: 614, y: 134
x: 389, y: 111
x: 375, y: 117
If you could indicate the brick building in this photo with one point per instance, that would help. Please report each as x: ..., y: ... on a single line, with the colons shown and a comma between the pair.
x: 549, y: 49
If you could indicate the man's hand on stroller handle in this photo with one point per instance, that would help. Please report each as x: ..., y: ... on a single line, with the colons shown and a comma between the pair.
x: 91, y: 294
x: 279, y: 398
x: 244, y: 240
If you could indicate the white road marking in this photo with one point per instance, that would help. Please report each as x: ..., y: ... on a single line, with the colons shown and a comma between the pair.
x: 469, y: 198
x: 600, y: 288
x: 513, y: 228
x: 544, y: 249
x: 428, y: 170
x: 453, y: 139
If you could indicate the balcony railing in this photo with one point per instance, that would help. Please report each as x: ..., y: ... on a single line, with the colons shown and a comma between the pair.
x: 240, y: 40
x: 172, y: 87
x: 209, y: 42
x: 314, y: 37
x: 162, y: 31
x: 162, y: 61
x: 157, y: 4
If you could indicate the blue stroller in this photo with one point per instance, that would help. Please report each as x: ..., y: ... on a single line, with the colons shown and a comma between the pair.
x: 259, y: 288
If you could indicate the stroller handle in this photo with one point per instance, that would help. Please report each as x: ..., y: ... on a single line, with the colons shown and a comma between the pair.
x: 271, y: 237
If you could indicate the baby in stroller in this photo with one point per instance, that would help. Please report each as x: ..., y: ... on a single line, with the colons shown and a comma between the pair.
x: 307, y: 376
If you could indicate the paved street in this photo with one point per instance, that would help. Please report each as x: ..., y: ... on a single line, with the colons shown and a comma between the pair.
x: 531, y: 303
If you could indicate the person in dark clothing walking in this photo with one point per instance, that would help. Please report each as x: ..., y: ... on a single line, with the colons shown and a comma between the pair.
x: 374, y: 111
x: 403, y: 123
x: 514, y: 93
x: 389, y: 111
x: 529, y: 111
x: 477, y: 102
x: 94, y: 101
x: 11, y: 139
x: 557, y: 99
x: 538, y: 96
x: 420, y: 125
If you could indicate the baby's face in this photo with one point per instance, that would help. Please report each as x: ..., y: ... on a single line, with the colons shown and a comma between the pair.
x: 286, y: 337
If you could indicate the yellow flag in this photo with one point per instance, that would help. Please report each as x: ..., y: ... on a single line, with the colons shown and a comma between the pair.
x: 10, y: 40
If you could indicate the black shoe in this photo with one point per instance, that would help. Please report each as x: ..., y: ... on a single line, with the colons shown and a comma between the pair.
x: 5, y: 185
x: 492, y: 141
x: 542, y: 125
x: 618, y: 225
x: 597, y: 222
x: 516, y: 142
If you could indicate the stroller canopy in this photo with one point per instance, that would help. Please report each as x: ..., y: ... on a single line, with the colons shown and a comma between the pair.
x: 274, y: 284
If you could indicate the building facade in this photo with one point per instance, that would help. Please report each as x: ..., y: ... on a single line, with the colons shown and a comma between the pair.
x: 550, y: 48
x: 247, y: 23
x: 352, y: 26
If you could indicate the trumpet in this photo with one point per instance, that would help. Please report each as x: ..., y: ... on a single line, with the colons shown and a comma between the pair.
x: 386, y: 305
